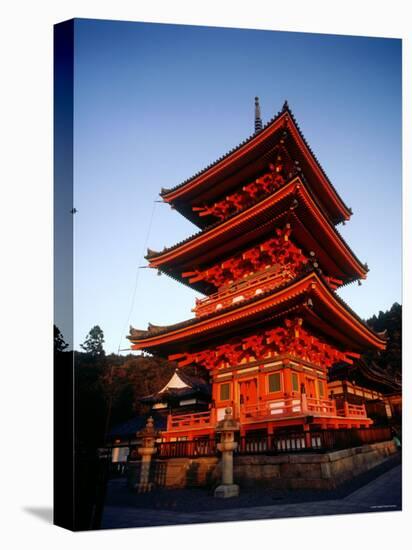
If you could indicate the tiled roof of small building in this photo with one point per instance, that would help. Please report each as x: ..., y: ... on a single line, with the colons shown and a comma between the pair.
x: 369, y: 370
x: 193, y: 386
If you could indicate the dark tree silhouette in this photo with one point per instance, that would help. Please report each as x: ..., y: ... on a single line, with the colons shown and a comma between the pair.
x: 59, y: 343
x: 93, y: 345
x: 391, y: 358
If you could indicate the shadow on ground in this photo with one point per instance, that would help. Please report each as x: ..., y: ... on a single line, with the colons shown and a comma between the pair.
x: 42, y: 513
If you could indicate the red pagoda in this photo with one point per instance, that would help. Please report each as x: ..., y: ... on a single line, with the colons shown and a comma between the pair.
x: 268, y: 259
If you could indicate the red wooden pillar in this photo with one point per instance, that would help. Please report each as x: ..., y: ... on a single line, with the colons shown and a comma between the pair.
x: 287, y: 379
x: 261, y: 385
x: 308, y: 439
x: 304, y: 403
x: 346, y: 408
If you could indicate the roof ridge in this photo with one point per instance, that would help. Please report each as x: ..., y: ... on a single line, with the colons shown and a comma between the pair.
x: 289, y: 110
x: 285, y: 109
x: 166, y: 191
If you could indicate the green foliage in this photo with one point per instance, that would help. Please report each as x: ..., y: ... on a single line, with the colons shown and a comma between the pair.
x: 59, y: 344
x: 130, y: 378
x: 93, y: 345
x: 108, y: 389
x: 391, y: 358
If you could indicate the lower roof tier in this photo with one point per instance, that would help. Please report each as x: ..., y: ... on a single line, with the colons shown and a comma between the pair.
x: 308, y: 296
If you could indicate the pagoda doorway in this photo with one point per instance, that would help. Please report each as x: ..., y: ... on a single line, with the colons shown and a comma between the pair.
x: 310, y: 387
x: 248, y: 392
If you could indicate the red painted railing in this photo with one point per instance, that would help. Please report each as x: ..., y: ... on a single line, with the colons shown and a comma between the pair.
x: 325, y: 407
x: 352, y: 411
x: 176, y: 449
x: 319, y: 440
x: 291, y: 406
x: 240, y: 291
x: 192, y: 420
x: 293, y: 442
x: 269, y: 410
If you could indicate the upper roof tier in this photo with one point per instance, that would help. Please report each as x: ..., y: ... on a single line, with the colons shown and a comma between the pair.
x: 294, y: 204
x: 250, y: 158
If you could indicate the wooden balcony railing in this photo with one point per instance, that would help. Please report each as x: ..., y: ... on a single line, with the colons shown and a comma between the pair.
x: 299, y: 405
x: 326, y: 407
x: 274, y: 444
x: 176, y: 449
x: 242, y: 290
x: 319, y: 440
x: 269, y: 410
x: 192, y: 420
x: 352, y: 411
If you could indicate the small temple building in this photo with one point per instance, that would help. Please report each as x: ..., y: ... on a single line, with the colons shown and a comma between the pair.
x: 367, y: 384
x: 268, y: 259
x: 182, y: 397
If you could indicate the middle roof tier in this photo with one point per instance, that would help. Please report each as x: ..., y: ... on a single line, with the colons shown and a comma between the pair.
x: 293, y: 205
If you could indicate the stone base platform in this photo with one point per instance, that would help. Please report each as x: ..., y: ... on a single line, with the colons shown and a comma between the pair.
x: 310, y: 470
x: 227, y: 491
x: 283, y: 471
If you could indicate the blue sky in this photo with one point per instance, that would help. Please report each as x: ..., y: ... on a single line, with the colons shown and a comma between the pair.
x: 155, y: 103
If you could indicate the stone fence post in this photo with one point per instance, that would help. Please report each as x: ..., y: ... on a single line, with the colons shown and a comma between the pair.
x: 227, y: 428
x: 146, y: 451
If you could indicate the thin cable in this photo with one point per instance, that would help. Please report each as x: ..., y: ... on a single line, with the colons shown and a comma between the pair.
x: 141, y: 257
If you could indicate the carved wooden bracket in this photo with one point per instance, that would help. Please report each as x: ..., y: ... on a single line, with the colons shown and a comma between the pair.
x: 291, y: 338
x: 280, y: 171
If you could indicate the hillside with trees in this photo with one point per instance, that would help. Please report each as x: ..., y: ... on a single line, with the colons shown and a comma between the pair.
x: 389, y: 322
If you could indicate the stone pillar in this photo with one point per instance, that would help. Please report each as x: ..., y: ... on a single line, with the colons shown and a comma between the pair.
x: 227, y: 428
x: 146, y: 451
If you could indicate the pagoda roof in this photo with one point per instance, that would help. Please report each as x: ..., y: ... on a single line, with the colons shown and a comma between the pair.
x: 244, y: 161
x: 314, y: 232
x: 180, y: 385
x: 308, y: 295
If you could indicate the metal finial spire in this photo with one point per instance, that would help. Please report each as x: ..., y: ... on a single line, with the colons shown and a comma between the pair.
x: 258, y: 120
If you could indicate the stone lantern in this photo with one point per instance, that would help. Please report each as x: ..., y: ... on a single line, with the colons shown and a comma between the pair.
x: 227, y: 428
x: 146, y: 451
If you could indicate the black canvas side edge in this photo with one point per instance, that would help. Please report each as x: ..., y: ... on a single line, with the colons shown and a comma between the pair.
x: 64, y: 509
